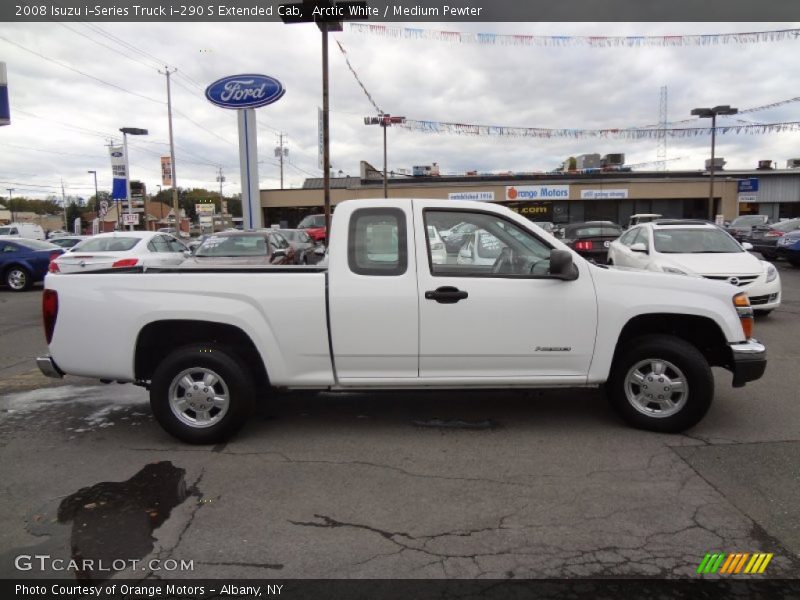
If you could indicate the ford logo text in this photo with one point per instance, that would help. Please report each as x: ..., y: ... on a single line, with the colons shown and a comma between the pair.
x: 245, y: 91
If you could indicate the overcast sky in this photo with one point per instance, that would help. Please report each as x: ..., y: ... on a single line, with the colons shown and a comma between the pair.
x: 62, y: 120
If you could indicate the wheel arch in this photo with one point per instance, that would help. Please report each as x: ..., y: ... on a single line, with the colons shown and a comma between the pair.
x: 158, y: 338
x: 702, y: 332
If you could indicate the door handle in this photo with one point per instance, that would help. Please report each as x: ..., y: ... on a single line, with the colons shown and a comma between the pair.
x: 446, y: 295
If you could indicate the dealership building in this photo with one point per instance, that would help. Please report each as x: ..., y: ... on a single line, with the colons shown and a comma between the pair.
x: 564, y: 197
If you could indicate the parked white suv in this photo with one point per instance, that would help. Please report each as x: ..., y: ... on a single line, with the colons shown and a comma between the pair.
x: 699, y: 249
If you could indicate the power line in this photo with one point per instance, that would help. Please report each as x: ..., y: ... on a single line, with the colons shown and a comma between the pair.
x: 112, y: 48
x: 65, y: 66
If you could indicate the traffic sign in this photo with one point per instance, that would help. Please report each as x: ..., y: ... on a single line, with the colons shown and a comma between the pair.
x: 130, y: 218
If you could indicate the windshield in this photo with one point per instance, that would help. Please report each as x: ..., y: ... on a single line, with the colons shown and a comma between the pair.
x: 109, y: 244
x: 8, y: 230
x: 748, y: 221
x: 694, y: 241
x: 238, y: 245
x: 312, y: 221
x: 488, y: 245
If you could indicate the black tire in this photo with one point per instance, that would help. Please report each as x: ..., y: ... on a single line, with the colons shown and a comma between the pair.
x: 690, y: 363
x: 228, y: 366
x: 18, y: 279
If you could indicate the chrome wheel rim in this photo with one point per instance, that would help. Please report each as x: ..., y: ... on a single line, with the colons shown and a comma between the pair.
x: 656, y: 388
x: 17, y: 279
x: 199, y: 397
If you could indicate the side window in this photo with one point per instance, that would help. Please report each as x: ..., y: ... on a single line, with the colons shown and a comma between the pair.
x: 627, y: 238
x: 175, y: 245
x: 486, y: 245
x: 377, y: 242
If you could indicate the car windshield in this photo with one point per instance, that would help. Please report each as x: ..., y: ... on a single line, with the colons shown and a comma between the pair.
x: 8, y: 230
x: 488, y: 245
x: 694, y: 241
x: 749, y: 221
x: 35, y: 244
x: 109, y: 244
x: 234, y: 245
x: 312, y: 221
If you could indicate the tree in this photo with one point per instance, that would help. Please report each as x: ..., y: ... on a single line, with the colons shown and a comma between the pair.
x: 73, y: 212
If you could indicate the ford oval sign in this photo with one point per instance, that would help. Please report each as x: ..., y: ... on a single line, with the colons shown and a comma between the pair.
x: 245, y: 91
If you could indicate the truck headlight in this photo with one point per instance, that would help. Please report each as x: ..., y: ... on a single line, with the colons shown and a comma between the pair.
x: 673, y: 270
x: 772, y: 272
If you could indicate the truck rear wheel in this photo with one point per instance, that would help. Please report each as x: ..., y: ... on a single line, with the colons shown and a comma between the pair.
x: 201, y: 394
x: 661, y: 383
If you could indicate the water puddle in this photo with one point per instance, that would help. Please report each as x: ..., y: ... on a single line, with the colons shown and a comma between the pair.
x: 98, y: 529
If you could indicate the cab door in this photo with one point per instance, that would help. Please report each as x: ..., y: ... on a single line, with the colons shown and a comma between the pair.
x: 372, y: 294
x: 500, y: 318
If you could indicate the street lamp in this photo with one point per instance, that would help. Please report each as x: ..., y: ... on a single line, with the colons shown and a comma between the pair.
x: 126, y: 131
x: 711, y: 113
x: 384, y: 121
x: 10, y: 205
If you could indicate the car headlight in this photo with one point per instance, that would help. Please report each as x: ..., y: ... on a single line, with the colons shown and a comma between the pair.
x: 772, y: 272
x: 673, y: 270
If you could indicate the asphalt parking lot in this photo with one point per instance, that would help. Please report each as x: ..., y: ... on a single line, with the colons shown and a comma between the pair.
x: 457, y: 485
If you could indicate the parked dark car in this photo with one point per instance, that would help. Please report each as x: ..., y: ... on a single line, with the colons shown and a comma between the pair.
x: 23, y: 262
x: 591, y: 239
x: 765, y: 237
x: 314, y: 226
x: 743, y: 225
x: 306, y: 251
x: 789, y: 248
x: 243, y: 248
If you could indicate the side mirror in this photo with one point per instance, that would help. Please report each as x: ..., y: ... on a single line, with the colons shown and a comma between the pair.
x: 320, y: 250
x: 747, y: 245
x: 561, y: 265
x: 279, y: 252
x: 188, y: 253
x: 639, y: 247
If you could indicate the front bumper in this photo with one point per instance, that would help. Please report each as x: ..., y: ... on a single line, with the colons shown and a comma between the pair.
x: 49, y: 367
x: 749, y: 362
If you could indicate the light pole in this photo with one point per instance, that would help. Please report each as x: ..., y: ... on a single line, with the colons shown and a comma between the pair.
x: 384, y: 121
x: 96, y: 194
x: 10, y: 205
x: 706, y: 113
x: 126, y: 131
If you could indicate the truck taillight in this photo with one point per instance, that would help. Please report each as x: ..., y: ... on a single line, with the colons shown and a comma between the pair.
x: 774, y: 233
x: 53, y: 267
x: 55, y: 254
x: 745, y: 312
x: 49, y: 313
x: 584, y: 245
x: 125, y: 262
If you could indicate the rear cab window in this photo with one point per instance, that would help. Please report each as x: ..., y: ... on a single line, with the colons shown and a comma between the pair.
x: 377, y: 242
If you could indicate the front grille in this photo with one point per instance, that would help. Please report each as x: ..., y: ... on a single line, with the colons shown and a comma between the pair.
x: 756, y: 300
x: 741, y: 280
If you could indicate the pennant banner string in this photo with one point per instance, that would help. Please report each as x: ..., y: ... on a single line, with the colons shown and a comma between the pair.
x: 358, y: 80
x: 594, y: 41
x: 626, y: 134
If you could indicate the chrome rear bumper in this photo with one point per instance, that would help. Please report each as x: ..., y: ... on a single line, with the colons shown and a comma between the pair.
x: 48, y: 367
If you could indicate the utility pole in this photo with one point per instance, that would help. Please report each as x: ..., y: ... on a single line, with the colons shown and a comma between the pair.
x: 280, y: 152
x: 175, y: 208
x: 64, y: 202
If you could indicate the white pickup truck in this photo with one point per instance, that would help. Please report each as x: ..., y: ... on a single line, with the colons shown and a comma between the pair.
x: 390, y: 313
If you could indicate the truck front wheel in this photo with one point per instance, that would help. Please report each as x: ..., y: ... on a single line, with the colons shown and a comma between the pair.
x: 661, y: 383
x: 201, y: 394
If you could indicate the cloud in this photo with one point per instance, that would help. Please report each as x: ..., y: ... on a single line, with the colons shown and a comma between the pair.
x: 62, y: 120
